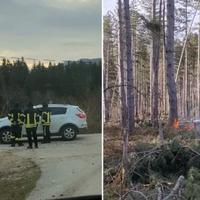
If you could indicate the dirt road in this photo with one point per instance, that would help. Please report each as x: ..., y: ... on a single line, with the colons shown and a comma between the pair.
x: 68, y: 168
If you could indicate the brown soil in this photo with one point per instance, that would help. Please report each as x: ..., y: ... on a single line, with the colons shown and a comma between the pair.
x: 18, y: 176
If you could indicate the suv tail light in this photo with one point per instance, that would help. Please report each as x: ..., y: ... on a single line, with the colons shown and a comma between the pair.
x: 81, y: 115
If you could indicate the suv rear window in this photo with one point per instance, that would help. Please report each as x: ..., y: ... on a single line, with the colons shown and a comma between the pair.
x: 58, y: 110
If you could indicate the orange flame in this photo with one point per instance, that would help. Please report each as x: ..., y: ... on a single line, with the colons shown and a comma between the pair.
x: 175, y: 124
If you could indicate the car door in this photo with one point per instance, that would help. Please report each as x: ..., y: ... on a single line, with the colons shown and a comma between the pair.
x: 58, y: 118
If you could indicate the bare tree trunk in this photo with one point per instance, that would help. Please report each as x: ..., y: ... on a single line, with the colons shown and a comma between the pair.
x: 186, y: 68
x: 173, y: 112
x: 106, y: 94
x: 141, y: 113
x: 181, y: 101
x: 164, y: 64
x: 161, y: 135
x: 152, y: 67
x: 123, y: 102
x: 114, y: 95
x: 198, y: 74
x: 123, y: 99
x: 155, y: 56
x: 130, y: 81
x: 134, y: 50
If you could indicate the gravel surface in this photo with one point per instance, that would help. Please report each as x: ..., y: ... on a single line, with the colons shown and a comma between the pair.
x: 68, y: 168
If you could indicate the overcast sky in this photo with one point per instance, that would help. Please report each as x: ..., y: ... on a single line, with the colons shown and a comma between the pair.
x: 109, y: 5
x: 53, y: 29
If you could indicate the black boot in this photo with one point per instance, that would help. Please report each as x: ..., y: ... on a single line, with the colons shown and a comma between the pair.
x: 20, y: 144
x: 13, y: 143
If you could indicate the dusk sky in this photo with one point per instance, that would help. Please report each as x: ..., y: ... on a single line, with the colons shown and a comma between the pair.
x: 52, y: 29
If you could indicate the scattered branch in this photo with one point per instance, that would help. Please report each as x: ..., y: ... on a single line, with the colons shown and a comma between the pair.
x: 134, y: 191
x: 159, y: 193
x: 176, y: 188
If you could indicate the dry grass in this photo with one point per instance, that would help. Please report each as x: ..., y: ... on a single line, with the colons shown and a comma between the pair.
x: 18, y: 176
x: 113, y: 139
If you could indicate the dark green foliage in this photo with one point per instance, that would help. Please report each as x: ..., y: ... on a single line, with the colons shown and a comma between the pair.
x: 194, y: 162
x: 162, y: 162
x: 192, y: 185
x: 141, y: 171
x: 169, y: 160
x: 153, y: 26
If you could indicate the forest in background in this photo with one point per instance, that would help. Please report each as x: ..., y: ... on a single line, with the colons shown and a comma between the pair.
x: 148, y: 33
x: 151, y: 99
x: 77, y: 83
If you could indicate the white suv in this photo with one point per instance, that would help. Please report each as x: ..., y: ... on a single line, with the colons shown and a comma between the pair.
x: 66, y: 121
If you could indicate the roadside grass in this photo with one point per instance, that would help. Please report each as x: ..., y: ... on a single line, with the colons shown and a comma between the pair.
x: 18, y: 176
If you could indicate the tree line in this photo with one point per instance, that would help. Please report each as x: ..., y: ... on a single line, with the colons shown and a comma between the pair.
x: 164, y: 56
x: 74, y: 83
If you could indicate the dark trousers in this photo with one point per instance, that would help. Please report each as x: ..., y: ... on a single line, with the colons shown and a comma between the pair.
x: 31, y: 133
x: 46, y: 134
x: 16, y: 135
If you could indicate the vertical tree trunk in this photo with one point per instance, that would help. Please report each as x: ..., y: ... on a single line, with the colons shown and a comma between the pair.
x: 164, y: 63
x: 130, y: 81
x: 123, y: 99
x: 134, y: 52
x: 107, y: 93
x: 123, y: 102
x: 152, y: 66
x: 181, y: 101
x: 186, y: 67
x: 155, y: 56
x: 173, y: 113
x: 184, y: 102
x: 198, y: 74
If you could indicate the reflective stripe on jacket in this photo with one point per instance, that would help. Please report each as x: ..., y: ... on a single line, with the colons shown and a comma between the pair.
x: 31, y: 119
x: 10, y: 117
x: 15, y: 117
x: 46, y: 118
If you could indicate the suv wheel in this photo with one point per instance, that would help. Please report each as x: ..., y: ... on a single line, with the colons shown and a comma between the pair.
x: 5, y: 136
x: 69, y: 132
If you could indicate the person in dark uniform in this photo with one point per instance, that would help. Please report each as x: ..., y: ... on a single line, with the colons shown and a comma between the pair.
x: 16, y: 118
x: 31, y: 123
x: 21, y: 123
x: 46, y: 121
